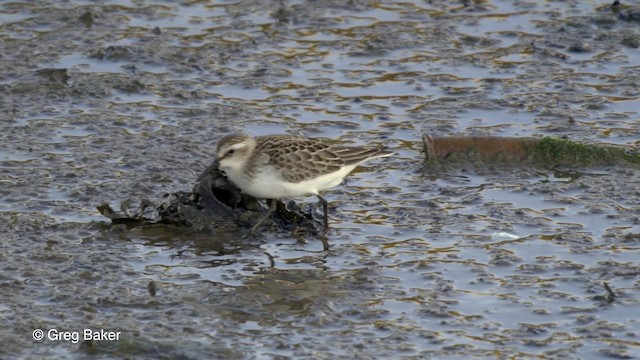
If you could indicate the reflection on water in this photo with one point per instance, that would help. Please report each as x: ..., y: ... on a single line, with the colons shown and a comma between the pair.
x: 464, y: 260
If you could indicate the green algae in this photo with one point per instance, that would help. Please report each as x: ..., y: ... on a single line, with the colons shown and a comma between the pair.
x: 543, y: 152
x: 550, y: 151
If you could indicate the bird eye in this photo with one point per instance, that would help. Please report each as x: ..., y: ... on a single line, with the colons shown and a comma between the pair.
x: 230, y: 152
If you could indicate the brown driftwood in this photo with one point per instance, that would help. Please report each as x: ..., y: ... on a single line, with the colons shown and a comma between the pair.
x: 546, y: 151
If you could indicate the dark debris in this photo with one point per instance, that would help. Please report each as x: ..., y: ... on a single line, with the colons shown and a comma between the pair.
x: 213, y: 203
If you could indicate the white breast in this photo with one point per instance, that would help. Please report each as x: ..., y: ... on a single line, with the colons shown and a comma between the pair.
x: 268, y: 184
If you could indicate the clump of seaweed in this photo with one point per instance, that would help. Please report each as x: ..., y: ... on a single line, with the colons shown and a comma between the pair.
x: 214, y: 203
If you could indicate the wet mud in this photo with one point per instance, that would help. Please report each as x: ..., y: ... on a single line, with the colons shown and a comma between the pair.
x: 123, y: 102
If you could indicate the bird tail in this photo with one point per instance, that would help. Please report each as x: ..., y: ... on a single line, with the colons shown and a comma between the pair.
x: 358, y: 155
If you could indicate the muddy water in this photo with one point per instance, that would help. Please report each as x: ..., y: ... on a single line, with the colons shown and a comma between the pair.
x: 122, y: 101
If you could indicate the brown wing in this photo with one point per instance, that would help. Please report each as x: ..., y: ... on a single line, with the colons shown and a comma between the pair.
x: 307, y: 158
x: 302, y: 158
x: 357, y: 155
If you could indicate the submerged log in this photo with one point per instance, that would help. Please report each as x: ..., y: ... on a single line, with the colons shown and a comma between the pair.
x: 545, y: 152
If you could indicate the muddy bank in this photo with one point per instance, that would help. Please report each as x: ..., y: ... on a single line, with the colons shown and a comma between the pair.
x: 122, y: 102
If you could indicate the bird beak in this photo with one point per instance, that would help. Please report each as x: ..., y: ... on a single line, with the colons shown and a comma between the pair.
x: 209, y: 169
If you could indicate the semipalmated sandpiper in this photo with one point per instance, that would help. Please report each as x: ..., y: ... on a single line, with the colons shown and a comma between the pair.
x: 277, y: 166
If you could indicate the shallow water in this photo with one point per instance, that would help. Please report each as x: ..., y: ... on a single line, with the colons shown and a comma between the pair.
x: 467, y: 260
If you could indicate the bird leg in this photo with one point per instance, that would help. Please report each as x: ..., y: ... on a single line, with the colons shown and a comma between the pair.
x: 326, y: 216
x: 272, y: 208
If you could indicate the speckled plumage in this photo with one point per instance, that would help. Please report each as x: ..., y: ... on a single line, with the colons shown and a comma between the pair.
x: 307, y: 158
x: 275, y: 166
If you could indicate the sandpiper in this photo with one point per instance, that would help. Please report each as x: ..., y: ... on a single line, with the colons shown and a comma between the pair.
x: 278, y: 166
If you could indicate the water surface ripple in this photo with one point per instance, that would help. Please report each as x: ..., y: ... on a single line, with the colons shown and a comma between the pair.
x: 117, y: 101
